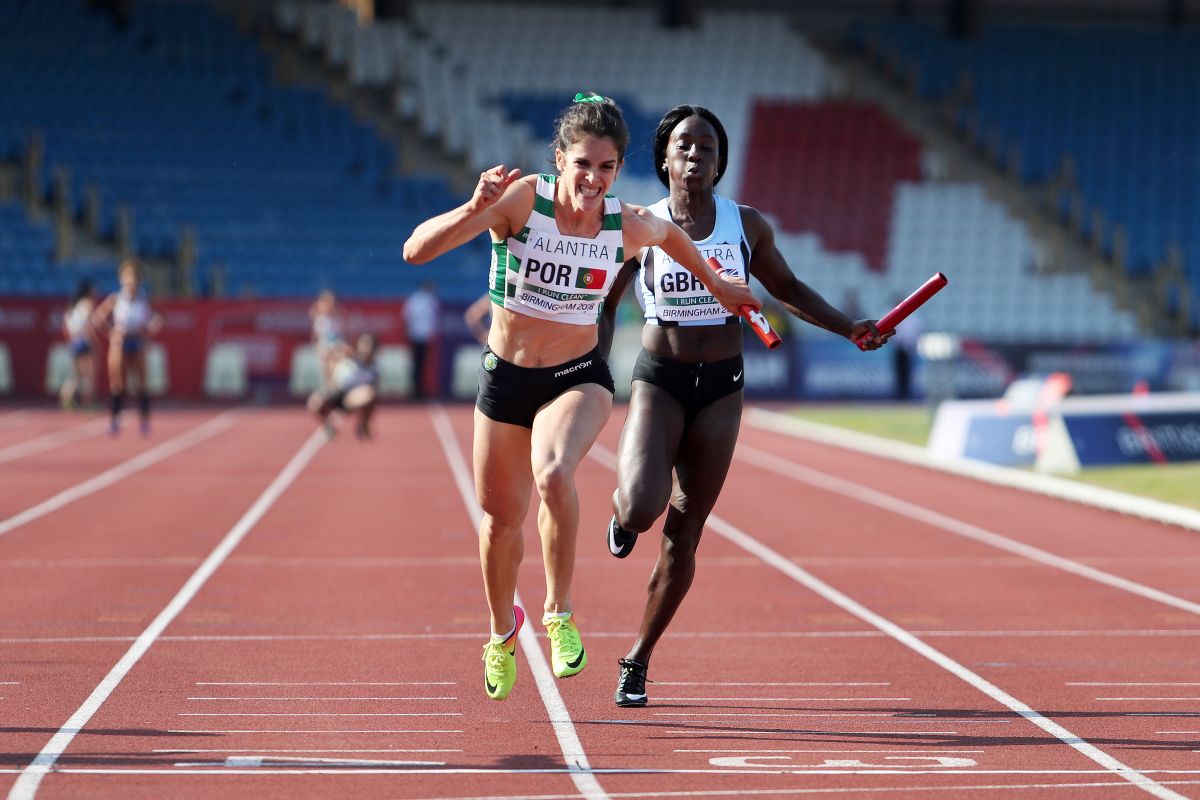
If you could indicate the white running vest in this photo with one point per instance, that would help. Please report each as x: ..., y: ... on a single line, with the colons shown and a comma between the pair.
x: 542, y: 273
x: 132, y: 314
x: 676, y: 297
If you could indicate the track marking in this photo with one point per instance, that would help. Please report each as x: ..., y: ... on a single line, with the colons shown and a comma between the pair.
x: 290, y: 699
x: 739, y: 750
x: 793, y: 699
x: 864, y: 634
x: 560, y: 718
x: 50, y: 441
x: 285, y: 761
x: 1131, y: 683
x: 770, y: 683
x: 30, y: 778
x: 338, y: 731
x: 788, y: 469
x: 326, y: 683
x: 123, y: 470
x: 1190, y: 699
x: 310, y: 750
x: 846, y: 603
x: 321, y: 714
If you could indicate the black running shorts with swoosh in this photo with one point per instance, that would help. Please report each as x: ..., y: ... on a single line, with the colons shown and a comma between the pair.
x: 694, y: 385
x: 512, y: 394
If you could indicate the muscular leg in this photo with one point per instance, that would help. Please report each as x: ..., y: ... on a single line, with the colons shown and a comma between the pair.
x: 116, y: 380
x: 703, y: 462
x: 135, y: 369
x: 563, y: 431
x: 502, y: 485
x: 646, y: 452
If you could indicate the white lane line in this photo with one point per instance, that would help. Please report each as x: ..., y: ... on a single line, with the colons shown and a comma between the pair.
x: 757, y: 714
x: 318, y: 750
x: 794, y: 699
x: 1189, y: 699
x: 326, y: 683
x: 906, y: 638
x: 248, y: 699
x: 790, y: 750
x: 768, y: 683
x: 123, y: 470
x: 26, y: 786
x: 50, y: 441
x: 1132, y: 683
x: 788, y: 469
x: 217, y: 770
x: 773, y: 735
x: 338, y: 731
x: 367, y: 637
x: 286, y: 761
x: 1179, y: 733
x: 560, y: 718
x: 321, y: 714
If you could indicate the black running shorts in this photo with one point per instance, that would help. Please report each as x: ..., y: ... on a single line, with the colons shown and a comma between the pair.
x: 694, y: 385
x: 512, y: 394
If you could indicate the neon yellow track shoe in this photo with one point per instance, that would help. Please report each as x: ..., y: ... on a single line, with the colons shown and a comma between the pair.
x: 567, y: 656
x: 500, y: 662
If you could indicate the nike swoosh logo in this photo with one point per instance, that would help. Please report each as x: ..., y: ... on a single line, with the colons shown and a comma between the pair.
x: 578, y: 661
x: 491, y: 688
x: 635, y: 696
x: 735, y: 377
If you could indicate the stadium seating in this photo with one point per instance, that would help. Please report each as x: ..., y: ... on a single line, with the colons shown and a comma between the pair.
x: 830, y: 167
x: 1121, y: 103
x: 178, y: 119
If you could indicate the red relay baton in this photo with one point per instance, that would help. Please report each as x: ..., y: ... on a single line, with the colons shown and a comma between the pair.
x: 908, y: 305
x: 756, y: 319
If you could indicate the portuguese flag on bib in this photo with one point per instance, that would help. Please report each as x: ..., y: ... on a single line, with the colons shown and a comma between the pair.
x: 590, y: 278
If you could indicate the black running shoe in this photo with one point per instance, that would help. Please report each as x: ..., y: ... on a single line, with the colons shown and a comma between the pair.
x: 620, y: 541
x: 631, y: 686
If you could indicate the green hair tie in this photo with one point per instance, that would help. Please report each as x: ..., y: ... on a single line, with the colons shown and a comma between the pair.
x: 590, y: 97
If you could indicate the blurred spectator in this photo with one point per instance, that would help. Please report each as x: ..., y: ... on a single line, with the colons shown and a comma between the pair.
x: 904, y: 348
x: 131, y: 323
x: 354, y: 387
x: 79, y: 387
x: 421, y: 314
x: 478, y: 317
x: 327, y: 333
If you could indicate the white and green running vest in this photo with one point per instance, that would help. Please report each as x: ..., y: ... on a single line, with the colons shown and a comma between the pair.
x: 679, y: 298
x: 541, y: 273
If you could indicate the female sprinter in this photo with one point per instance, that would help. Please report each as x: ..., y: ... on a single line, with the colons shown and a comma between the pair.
x: 686, y: 403
x: 544, y: 389
x: 131, y: 322
x: 79, y: 387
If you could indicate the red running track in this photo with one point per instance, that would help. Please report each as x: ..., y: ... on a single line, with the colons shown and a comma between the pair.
x: 254, y: 613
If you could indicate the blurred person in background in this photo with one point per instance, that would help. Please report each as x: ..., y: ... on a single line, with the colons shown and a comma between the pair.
x: 131, y: 323
x: 685, y: 408
x: 545, y: 390
x: 478, y: 318
x: 354, y: 388
x: 422, y: 313
x: 904, y: 355
x: 328, y: 333
x: 79, y: 387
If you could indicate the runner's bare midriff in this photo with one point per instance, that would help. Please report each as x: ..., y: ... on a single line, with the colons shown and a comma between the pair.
x: 533, y: 342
